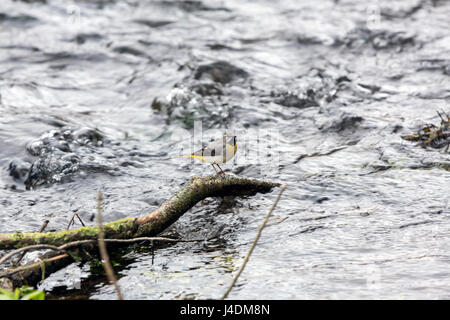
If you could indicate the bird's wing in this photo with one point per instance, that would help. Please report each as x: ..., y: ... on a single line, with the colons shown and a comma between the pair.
x: 215, y: 148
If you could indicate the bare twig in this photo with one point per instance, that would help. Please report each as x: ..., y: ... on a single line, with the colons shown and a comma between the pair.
x: 64, y: 247
x: 258, y: 235
x: 44, y: 225
x: 25, y: 249
x: 72, y: 220
x: 153, y: 251
x: 102, y: 247
x: 41, y: 229
x: 30, y: 267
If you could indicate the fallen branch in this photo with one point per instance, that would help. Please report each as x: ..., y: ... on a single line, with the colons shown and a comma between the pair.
x: 197, y: 189
x: 122, y: 231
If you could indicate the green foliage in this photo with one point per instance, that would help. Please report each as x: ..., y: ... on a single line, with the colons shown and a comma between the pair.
x: 96, y: 266
x: 22, y: 293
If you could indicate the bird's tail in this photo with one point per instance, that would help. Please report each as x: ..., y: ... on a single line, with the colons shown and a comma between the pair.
x: 177, y: 157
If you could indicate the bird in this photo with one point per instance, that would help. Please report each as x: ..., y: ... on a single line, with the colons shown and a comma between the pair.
x: 216, y: 152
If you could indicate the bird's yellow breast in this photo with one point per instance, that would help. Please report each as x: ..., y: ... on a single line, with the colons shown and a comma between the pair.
x: 202, y: 158
x: 230, y: 152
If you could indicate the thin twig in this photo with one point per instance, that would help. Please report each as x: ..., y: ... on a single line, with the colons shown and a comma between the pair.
x: 81, y: 242
x: 28, y: 248
x: 44, y: 225
x: 153, y: 251
x: 102, y: 247
x: 29, y: 267
x: 72, y: 220
x: 87, y: 241
x: 258, y: 235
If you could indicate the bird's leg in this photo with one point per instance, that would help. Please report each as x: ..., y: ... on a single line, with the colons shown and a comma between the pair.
x: 214, y: 168
x: 221, y: 171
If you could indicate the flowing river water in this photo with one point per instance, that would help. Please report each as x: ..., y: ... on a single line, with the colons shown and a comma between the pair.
x: 93, y: 94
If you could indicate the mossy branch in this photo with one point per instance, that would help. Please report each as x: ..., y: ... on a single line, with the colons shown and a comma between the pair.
x: 197, y: 189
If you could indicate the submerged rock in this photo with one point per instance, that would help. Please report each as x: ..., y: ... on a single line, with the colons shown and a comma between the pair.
x: 18, y: 169
x: 378, y: 39
x: 220, y: 71
x: 345, y: 122
x: 60, y: 154
x: 299, y: 101
x: 207, y: 89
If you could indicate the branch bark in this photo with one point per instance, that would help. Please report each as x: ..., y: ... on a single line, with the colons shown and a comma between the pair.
x: 197, y: 189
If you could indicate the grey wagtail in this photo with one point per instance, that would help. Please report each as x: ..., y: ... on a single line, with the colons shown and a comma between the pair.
x: 218, y: 151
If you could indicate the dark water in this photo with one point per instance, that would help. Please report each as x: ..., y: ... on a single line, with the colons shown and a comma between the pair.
x: 93, y: 93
